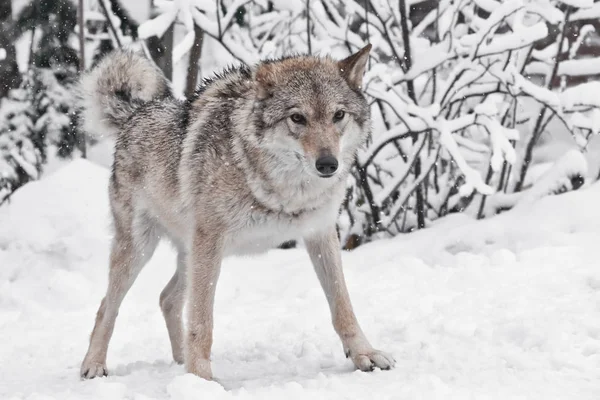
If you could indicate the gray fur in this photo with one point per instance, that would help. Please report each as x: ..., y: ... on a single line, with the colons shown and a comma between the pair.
x: 118, y: 86
x: 225, y: 172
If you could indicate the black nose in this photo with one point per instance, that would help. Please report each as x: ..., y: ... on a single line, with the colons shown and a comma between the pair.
x: 326, y: 165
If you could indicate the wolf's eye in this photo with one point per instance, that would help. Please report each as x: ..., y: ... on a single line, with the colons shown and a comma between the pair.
x: 338, y: 116
x: 298, y: 119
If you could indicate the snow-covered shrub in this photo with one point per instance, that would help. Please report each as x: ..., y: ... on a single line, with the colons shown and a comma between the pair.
x: 564, y: 175
x: 451, y: 101
x: 456, y: 114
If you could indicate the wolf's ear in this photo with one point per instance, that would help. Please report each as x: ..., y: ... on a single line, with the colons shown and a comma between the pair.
x: 266, y: 80
x: 353, y: 67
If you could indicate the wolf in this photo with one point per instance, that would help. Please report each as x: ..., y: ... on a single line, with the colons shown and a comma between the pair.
x: 257, y: 156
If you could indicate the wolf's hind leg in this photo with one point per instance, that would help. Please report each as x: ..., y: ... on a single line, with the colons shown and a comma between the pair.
x: 171, y: 303
x: 128, y: 256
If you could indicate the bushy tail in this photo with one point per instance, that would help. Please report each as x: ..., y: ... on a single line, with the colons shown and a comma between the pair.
x: 112, y: 91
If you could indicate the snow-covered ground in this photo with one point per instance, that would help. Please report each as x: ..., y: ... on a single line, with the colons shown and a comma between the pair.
x: 505, y: 308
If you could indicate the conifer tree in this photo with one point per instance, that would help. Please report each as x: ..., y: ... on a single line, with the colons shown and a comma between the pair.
x: 21, y: 153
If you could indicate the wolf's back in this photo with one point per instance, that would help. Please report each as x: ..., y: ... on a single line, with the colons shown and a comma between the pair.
x: 113, y: 90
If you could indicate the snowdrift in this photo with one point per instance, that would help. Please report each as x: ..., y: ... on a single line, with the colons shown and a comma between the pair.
x: 503, y: 308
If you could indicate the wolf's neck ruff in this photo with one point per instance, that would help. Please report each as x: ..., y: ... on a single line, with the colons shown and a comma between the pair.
x: 281, y: 184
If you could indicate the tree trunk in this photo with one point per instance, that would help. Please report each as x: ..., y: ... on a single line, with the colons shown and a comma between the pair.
x: 81, y: 23
x: 308, y: 42
x: 195, y: 53
x: 161, y: 50
x: 9, y: 70
x: 411, y: 93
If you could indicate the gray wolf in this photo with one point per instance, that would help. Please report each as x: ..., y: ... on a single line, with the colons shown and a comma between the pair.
x: 258, y: 156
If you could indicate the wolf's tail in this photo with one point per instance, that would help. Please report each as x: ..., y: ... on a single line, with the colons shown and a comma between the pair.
x: 113, y: 90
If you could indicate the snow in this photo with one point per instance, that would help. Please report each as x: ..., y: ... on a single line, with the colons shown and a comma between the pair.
x: 27, y: 165
x: 580, y: 67
x: 584, y: 95
x: 503, y: 308
x: 578, y: 3
x: 571, y: 164
x: 157, y: 26
x: 557, y: 177
x: 586, y: 13
x: 472, y: 176
x: 522, y: 38
x: 183, y: 47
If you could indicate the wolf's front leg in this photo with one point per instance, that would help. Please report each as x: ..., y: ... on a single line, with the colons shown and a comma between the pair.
x: 324, y: 251
x: 202, y: 273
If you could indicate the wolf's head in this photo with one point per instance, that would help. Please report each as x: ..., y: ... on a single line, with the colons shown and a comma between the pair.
x: 311, y: 113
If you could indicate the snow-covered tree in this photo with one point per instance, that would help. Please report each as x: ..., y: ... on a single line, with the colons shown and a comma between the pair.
x: 51, y: 24
x: 104, y: 34
x: 9, y: 70
x: 37, y: 118
x: 20, y: 152
x: 54, y: 112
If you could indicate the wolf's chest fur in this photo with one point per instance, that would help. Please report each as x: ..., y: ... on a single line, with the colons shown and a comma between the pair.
x: 261, y: 230
x: 249, y: 226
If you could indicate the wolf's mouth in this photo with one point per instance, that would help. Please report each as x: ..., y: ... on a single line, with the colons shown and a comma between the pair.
x: 326, y: 175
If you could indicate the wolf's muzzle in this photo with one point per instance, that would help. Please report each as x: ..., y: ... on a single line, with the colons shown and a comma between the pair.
x: 326, y: 166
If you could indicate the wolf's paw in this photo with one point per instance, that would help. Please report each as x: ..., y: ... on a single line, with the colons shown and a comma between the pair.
x: 90, y: 370
x: 178, y: 355
x: 178, y: 358
x: 369, y: 360
x: 200, y: 368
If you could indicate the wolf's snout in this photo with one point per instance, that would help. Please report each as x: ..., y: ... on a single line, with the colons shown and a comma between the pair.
x: 327, y: 165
